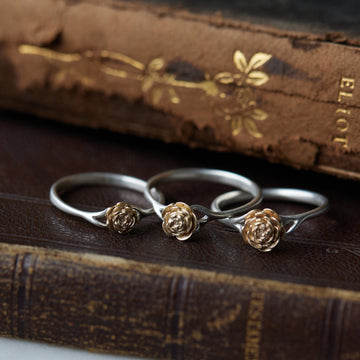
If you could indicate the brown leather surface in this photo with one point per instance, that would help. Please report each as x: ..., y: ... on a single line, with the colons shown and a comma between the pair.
x: 159, y: 311
x: 170, y: 74
x: 155, y: 296
x: 328, y: 17
x: 34, y: 154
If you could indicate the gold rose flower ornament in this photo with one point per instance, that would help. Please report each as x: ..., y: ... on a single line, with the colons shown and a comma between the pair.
x: 120, y: 217
x: 179, y: 219
x: 263, y: 229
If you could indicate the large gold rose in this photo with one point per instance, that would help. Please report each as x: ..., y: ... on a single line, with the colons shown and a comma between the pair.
x: 262, y: 229
x: 179, y: 220
x: 121, y: 217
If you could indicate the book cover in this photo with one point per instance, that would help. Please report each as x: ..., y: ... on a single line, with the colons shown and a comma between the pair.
x: 68, y: 282
x: 181, y: 76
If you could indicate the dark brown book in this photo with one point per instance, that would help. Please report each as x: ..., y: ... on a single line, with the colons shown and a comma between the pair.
x: 65, y: 281
x: 178, y: 75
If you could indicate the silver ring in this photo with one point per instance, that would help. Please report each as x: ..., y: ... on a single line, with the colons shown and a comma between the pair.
x: 263, y: 229
x: 120, y: 217
x: 179, y: 219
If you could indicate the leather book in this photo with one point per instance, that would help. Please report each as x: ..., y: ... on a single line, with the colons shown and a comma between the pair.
x: 274, y: 85
x: 65, y: 281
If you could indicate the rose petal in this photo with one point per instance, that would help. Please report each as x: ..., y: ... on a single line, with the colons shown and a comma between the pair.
x: 272, y: 214
x: 184, y: 237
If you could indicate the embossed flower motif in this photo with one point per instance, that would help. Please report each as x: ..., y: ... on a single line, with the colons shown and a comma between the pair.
x: 243, y: 114
x: 179, y: 220
x: 121, y: 217
x: 248, y: 70
x: 159, y: 82
x: 262, y: 229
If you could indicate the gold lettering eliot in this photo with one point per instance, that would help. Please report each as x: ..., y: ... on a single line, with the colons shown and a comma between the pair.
x: 343, y: 113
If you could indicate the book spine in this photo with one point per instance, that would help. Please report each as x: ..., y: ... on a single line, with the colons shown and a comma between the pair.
x: 114, y: 305
x: 201, y: 80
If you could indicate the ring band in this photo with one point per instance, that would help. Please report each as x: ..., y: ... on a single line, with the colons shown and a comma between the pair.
x: 179, y: 219
x: 263, y: 229
x: 120, y: 217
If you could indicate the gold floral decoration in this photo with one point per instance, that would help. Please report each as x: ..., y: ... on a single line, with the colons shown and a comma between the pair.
x: 262, y: 229
x: 245, y: 113
x: 242, y: 113
x: 248, y: 70
x: 159, y: 84
x: 121, y: 217
x: 179, y: 220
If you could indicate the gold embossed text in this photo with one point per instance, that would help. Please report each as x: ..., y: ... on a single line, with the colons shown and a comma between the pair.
x: 254, y: 326
x: 342, y: 124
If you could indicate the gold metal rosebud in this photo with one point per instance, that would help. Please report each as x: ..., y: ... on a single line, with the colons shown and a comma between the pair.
x: 262, y: 229
x: 179, y: 220
x: 121, y: 217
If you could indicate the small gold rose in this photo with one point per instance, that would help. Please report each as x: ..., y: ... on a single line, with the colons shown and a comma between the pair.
x: 121, y: 217
x: 262, y: 229
x: 179, y: 220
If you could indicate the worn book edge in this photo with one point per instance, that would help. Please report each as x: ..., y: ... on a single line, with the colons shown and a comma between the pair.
x: 98, y: 260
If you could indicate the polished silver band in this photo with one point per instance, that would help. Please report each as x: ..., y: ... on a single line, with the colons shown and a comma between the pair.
x: 121, y: 217
x: 263, y: 229
x: 179, y: 219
